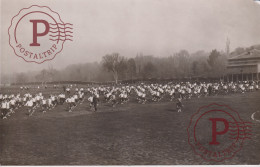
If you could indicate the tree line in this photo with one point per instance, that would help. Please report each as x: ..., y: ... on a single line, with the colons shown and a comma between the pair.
x: 115, y: 67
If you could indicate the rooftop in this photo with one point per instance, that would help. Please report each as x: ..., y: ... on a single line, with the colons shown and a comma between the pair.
x: 254, y: 53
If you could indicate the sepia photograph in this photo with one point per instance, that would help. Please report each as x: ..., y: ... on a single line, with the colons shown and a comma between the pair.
x: 130, y: 82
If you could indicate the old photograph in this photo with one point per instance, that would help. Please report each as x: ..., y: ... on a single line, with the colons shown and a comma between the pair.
x: 130, y: 82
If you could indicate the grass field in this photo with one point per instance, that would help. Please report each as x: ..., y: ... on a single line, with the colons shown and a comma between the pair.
x: 130, y: 134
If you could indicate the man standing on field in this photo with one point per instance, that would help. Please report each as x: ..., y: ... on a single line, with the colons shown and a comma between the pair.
x: 95, y: 101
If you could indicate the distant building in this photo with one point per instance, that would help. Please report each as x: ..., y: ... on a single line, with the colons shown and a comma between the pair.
x: 245, y: 66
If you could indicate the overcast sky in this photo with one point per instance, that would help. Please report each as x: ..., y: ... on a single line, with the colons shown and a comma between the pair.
x: 153, y: 27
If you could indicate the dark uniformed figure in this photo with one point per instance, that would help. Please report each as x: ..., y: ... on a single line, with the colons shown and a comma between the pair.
x: 95, y: 102
x: 210, y: 90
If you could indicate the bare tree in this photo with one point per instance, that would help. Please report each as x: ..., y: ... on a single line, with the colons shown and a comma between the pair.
x: 114, y: 63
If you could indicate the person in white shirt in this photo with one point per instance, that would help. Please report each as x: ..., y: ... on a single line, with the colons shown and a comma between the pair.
x: 19, y: 102
x: 76, y: 98
x: 29, y: 104
x: 68, y: 90
x: 49, y: 103
x: 12, y: 105
x: 62, y: 98
x: 69, y: 101
x: 38, y: 98
x: 53, y: 100
x: 73, y: 101
x: 5, y: 108
x: 34, y: 102
x: 90, y: 99
x: 81, y: 97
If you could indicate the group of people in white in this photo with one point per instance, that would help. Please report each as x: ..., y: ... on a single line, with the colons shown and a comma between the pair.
x: 71, y: 96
